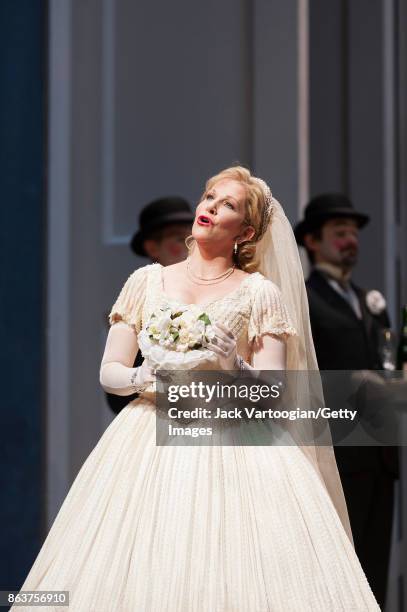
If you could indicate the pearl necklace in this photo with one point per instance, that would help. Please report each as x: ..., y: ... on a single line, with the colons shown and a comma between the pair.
x: 208, y: 281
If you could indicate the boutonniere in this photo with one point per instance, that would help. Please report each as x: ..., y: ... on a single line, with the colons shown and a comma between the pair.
x: 375, y: 302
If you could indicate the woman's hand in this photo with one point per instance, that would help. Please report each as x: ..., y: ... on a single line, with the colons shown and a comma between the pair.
x: 224, y: 344
x: 143, y: 375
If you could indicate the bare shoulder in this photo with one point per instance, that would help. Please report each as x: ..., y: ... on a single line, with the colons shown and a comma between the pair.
x: 176, y: 270
x: 177, y: 267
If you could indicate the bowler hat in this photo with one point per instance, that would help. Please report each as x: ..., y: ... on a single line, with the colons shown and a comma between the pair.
x: 157, y: 214
x: 323, y: 207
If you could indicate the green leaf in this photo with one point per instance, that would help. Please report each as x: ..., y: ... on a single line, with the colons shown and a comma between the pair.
x: 204, y: 317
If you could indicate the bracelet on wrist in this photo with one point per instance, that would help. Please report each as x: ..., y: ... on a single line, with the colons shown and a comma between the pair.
x: 239, y: 363
x: 138, y: 387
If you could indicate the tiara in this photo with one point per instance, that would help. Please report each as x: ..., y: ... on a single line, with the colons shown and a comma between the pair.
x: 268, y: 206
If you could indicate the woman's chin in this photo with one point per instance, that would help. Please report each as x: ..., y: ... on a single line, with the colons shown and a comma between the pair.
x: 203, y: 234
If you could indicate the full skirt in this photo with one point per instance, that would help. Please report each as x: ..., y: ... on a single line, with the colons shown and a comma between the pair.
x: 148, y: 528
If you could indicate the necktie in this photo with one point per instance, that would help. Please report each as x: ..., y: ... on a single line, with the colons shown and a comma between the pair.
x: 347, y: 292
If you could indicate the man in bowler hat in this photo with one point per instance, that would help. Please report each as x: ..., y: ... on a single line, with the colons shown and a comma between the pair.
x: 164, y: 225
x: 346, y: 323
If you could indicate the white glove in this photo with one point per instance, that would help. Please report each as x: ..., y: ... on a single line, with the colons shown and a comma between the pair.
x: 224, y: 344
x: 117, y: 375
x: 119, y: 379
x: 143, y: 376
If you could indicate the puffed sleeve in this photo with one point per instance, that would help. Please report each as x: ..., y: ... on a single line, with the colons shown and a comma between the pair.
x: 269, y: 314
x: 129, y: 304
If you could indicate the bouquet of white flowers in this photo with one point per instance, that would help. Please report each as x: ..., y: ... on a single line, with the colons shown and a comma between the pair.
x: 176, y: 338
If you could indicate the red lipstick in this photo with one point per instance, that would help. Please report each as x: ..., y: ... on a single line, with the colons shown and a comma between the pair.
x: 204, y: 220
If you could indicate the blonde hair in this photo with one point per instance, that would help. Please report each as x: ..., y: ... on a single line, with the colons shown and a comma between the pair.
x: 245, y: 258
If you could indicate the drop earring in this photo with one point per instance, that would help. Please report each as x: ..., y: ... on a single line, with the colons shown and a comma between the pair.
x: 235, y: 248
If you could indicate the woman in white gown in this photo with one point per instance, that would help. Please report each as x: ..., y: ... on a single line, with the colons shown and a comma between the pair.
x: 208, y: 528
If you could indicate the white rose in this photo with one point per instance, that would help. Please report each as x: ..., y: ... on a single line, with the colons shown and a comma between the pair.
x: 164, y: 321
x: 198, y: 328
x: 375, y: 302
x: 183, y: 336
x: 195, y: 310
x: 186, y: 319
x: 176, y: 308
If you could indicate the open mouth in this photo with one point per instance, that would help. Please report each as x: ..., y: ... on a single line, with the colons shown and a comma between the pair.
x: 204, y: 220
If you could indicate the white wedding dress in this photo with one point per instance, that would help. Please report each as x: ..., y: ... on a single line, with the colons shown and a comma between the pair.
x: 198, y: 528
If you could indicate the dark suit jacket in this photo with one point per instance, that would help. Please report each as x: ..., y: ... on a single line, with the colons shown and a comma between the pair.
x: 344, y: 342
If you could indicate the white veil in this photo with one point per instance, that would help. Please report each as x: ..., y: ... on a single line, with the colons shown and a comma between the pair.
x: 279, y: 260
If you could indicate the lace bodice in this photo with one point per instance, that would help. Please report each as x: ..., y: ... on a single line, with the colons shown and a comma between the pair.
x: 251, y: 310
